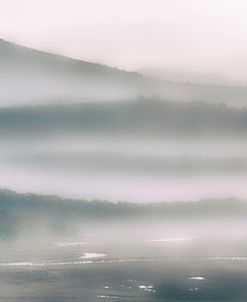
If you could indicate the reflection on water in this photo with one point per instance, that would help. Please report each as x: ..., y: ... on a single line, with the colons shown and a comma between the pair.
x: 153, y: 278
x: 70, y: 244
x: 93, y: 255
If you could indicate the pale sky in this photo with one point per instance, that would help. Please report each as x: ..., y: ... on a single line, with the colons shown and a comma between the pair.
x: 196, y: 35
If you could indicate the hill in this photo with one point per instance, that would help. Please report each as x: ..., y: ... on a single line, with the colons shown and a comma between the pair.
x: 30, y: 76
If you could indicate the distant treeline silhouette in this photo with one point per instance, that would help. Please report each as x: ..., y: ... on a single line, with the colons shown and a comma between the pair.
x: 60, y: 215
x: 142, y: 117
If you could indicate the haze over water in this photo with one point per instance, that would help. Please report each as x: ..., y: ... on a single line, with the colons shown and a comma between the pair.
x: 123, y: 163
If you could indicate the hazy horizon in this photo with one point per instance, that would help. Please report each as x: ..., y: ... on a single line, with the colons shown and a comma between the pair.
x: 120, y: 185
x: 205, y: 37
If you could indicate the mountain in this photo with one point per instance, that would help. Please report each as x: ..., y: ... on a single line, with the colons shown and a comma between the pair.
x: 30, y: 76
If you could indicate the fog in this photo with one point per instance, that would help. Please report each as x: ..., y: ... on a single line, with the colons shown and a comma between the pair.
x: 123, y: 163
x: 31, y: 77
x: 120, y: 169
x: 133, y: 150
x: 197, y: 36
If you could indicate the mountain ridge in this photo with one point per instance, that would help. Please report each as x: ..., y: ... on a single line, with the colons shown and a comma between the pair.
x: 30, y: 76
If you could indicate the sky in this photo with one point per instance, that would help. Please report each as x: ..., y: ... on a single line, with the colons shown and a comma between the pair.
x: 207, y: 36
